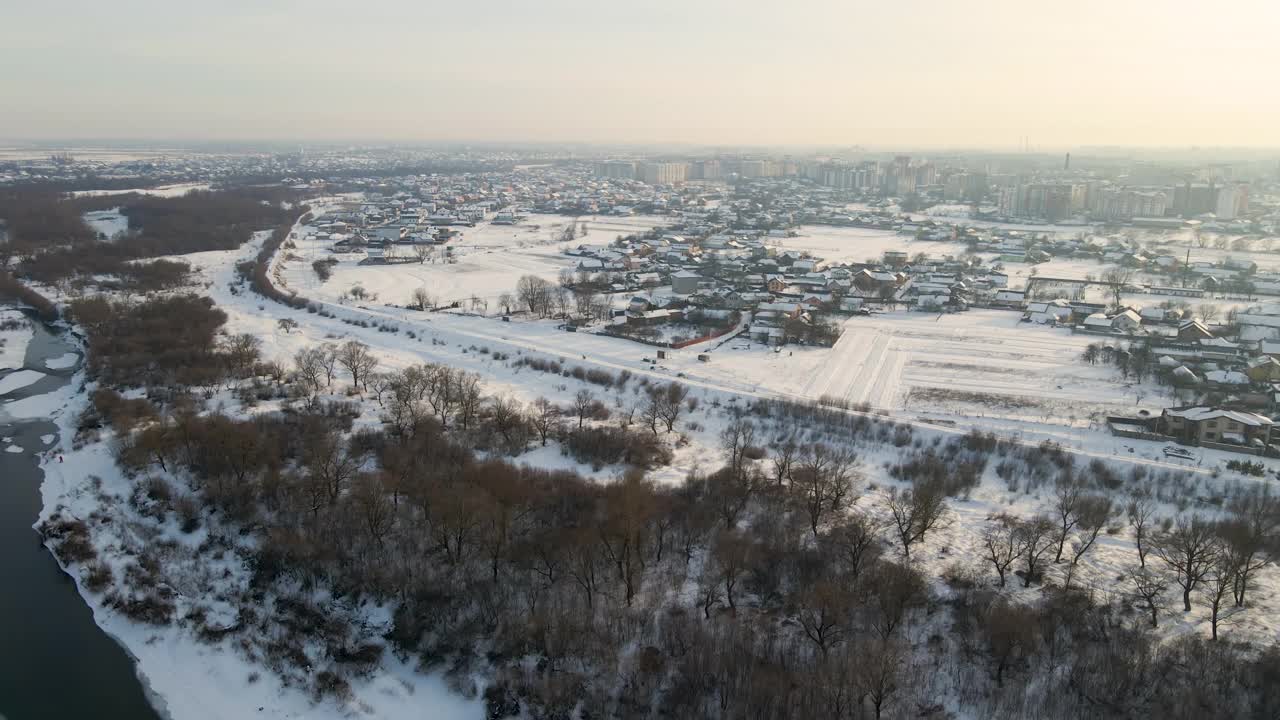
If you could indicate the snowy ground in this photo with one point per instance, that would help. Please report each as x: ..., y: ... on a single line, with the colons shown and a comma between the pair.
x: 850, y: 244
x: 13, y: 343
x: 107, y: 222
x: 485, y: 262
x: 162, y: 191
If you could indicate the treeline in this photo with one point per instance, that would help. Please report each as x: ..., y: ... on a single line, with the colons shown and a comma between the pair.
x: 201, y: 220
x: 163, y: 342
x: 12, y: 289
x: 259, y: 273
x: 49, y: 236
x: 754, y: 591
x: 37, y: 219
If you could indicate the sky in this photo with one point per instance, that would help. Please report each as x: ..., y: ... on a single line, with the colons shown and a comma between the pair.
x: 921, y: 73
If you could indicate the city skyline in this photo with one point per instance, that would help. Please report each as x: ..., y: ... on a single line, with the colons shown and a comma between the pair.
x: 918, y: 74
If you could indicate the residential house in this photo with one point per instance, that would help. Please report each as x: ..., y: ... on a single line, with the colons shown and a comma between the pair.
x: 685, y: 282
x: 1264, y: 369
x: 1127, y: 321
x: 1192, y: 330
x: 1198, y: 425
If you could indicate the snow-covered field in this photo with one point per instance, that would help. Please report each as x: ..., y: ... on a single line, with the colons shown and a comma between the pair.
x: 850, y: 244
x: 161, y: 191
x: 485, y: 262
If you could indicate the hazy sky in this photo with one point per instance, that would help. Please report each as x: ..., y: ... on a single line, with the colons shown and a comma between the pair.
x: 897, y: 72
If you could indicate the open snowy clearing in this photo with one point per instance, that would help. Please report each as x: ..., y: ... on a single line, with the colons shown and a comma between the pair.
x: 485, y: 262
x: 162, y: 191
x: 13, y: 342
x: 107, y: 222
x: 851, y: 244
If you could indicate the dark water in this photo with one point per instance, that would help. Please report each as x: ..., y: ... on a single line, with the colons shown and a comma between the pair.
x: 54, y: 661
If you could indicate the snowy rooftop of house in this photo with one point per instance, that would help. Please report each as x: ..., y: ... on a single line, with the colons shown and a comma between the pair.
x: 1219, y: 342
x: 1197, y: 414
x: 1227, y: 377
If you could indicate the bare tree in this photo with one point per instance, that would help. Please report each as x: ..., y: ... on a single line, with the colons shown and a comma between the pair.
x: 1250, y: 537
x: 822, y: 482
x: 915, y: 512
x: 731, y: 554
x: 507, y: 418
x: 1067, y: 496
x: 1217, y: 586
x: 1035, y: 540
x: 584, y: 405
x: 1010, y: 631
x: 309, y: 368
x: 1118, y: 277
x: 785, y: 450
x: 671, y: 403
x: 288, y: 325
x: 422, y: 299
x: 423, y: 251
x: 1094, y: 513
x: 545, y: 418
x: 561, y: 300
x: 651, y: 412
x: 1140, y: 511
x: 372, y: 506
x: 584, y: 300
x: 1150, y: 587
x: 535, y: 294
x: 506, y: 301
x: 241, y: 353
x: 1002, y: 544
x: 877, y: 672
x: 824, y: 613
x: 329, y: 361
x: 853, y: 543
x: 356, y: 358
x: 1189, y: 550
x: 730, y: 493
x: 896, y: 589
x: 736, y: 438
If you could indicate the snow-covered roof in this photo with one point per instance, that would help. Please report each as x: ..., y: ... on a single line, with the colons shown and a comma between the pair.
x: 1219, y: 342
x: 1227, y: 377
x: 1196, y: 414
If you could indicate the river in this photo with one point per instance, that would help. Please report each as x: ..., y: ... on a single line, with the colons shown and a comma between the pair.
x: 55, y: 662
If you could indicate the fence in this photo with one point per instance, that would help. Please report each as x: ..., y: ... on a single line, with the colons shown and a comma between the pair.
x: 610, y: 331
x: 710, y: 336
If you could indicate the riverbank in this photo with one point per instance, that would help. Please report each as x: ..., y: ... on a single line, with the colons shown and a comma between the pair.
x: 57, y: 662
x: 205, y: 574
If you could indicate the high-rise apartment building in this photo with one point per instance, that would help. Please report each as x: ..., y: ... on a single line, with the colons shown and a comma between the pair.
x: 663, y: 173
x: 617, y: 169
